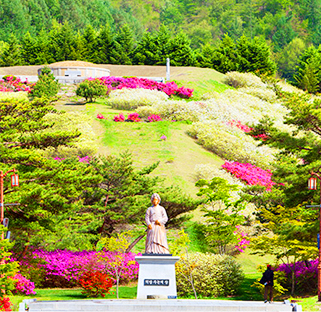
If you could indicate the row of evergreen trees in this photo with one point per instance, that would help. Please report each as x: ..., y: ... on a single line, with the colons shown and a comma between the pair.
x: 106, y: 47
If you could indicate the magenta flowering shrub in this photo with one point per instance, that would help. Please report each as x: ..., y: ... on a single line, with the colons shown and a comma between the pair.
x: 64, y: 267
x: 153, y: 118
x: 250, y: 174
x: 242, y: 240
x: 133, y: 117
x: 23, y: 285
x: 100, y: 116
x: 12, y: 83
x: 305, y: 275
x: 119, y: 118
x: 85, y: 159
x: 170, y: 88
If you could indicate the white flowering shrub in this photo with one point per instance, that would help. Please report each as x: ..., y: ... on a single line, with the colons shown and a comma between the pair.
x: 231, y: 143
x: 21, y: 95
x: 84, y: 145
x: 242, y: 80
x: 132, y: 98
x: 213, y: 275
x: 210, y: 95
x: 286, y: 87
x: 267, y: 95
x: 145, y: 111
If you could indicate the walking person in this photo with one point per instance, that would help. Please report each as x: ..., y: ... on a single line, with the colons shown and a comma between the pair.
x: 267, y: 281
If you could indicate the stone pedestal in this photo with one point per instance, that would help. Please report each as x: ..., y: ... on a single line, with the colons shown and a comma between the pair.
x: 156, y: 277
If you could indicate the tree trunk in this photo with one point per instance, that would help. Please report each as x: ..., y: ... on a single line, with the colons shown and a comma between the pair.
x: 131, y: 246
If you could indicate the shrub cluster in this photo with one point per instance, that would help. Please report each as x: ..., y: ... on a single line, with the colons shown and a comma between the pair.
x: 46, y: 86
x: 230, y: 143
x: 85, y: 145
x: 95, y: 284
x: 130, y: 99
x: 213, y: 275
x: 62, y: 268
x: 23, y: 285
x: 250, y: 174
x: 91, y: 89
x: 170, y: 88
x: 10, y: 83
x: 305, y: 275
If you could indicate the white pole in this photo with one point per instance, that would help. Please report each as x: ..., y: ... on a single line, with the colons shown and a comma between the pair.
x: 168, y: 69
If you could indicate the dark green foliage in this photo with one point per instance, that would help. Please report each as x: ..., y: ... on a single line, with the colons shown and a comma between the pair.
x: 244, y: 56
x: 224, y: 58
x: 308, y: 72
x: 91, y: 89
x: 49, y: 190
x: 11, y: 55
x: 46, y: 86
x: 254, y: 56
x: 222, y: 215
x: 123, y: 46
x: 180, y: 52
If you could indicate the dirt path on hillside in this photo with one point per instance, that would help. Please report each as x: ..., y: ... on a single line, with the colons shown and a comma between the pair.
x: 176, y: 73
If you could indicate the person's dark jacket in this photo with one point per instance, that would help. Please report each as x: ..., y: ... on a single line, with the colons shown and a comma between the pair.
x: 267, y: 277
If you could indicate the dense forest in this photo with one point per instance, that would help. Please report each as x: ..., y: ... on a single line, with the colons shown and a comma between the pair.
x: 288, y: 27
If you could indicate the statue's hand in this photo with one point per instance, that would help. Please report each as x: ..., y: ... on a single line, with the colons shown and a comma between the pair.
x: 157, y: 222
x: 149, y: 226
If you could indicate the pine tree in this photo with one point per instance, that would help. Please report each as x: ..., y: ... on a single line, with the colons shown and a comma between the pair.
x: 225, y: 57
x: 28, y: 49
x: 123, y: 47
x: 105, y: 44
x: 180, y: 52
x: 11, y: 55
x: 254, y: 56
x: 146, y: 52
x: 90, y: 41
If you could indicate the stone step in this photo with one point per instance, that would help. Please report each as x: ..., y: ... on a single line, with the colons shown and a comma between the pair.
x: 172, y: 305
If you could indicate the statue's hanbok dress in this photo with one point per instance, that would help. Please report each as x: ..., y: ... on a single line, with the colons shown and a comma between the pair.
x: 156, y: 241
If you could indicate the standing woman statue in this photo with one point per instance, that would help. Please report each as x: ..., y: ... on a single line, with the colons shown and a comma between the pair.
x: 156, y: 217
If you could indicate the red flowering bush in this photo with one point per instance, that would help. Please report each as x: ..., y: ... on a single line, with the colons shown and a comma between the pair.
x: 5, y: 304
x: 251, y: 174
x: 95, y: 284
x: 100, y: 116
x: 133, y: 117
x: 119, y: 118
x: 153, y: 118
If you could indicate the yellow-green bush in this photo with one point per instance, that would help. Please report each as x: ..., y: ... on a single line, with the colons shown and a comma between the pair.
x: 213, y: 275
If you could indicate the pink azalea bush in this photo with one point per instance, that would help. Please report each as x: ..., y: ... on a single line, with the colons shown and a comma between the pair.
x: 250, y: 174
x: 305, y: 275
x: 133, y: 117
x: 63, y: 268
x: 246, y: 129
x: 242, y: 240
x: 12, y: 83
x: 23, y: 285
x: 170, y: 88
x: 100, y: 116
x: 154, y: 118
x: 119, y: 118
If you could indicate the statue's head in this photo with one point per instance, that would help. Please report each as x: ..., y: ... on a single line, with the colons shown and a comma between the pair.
x: 155, y: 199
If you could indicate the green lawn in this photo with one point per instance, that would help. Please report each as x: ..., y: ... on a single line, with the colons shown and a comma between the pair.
x: 177, y: 155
